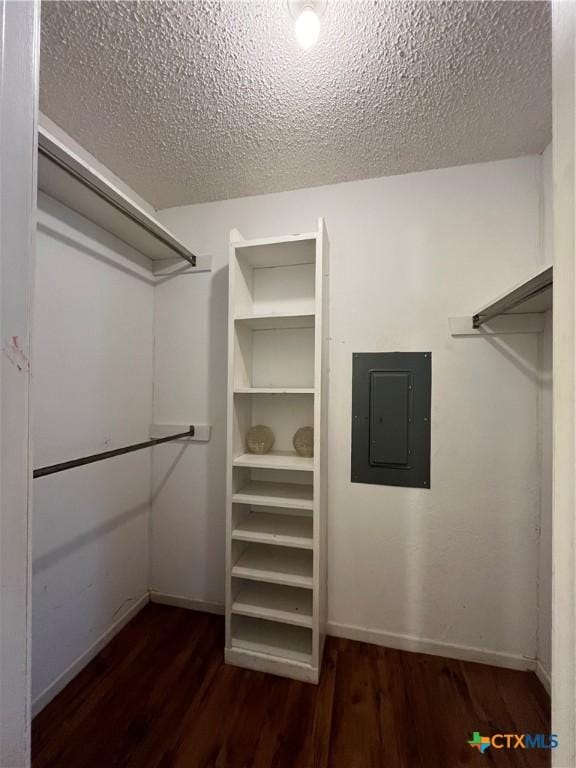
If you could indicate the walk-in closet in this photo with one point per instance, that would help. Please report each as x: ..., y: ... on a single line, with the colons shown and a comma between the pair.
x: 286, y: 384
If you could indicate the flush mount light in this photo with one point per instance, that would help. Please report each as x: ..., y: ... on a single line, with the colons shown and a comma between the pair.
x: 306, y: 15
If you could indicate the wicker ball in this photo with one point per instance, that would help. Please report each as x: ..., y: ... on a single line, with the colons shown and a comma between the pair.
x: 303, y: 441
x: 260, y: 439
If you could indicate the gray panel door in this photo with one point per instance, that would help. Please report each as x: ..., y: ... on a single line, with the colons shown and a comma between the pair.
x: 391, y: 398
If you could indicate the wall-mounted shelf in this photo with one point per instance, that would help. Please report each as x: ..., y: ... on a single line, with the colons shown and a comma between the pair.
x: 532, y: 296
x: 517, y: 310
x: 69, y: 179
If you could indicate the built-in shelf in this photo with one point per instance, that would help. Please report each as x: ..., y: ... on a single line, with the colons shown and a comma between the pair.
x: 272, y: 639
x: 275, y: 460
x: 274, y: 603
x: 275, y: 503
x: 275, y: 528
x: 271, y: 321
x: 68, y: 178
x: 274, y: 390
x: 267, y: 494
x: 275, y: 565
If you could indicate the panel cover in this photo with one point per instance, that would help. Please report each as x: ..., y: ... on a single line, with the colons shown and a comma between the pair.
x: 391, y: 394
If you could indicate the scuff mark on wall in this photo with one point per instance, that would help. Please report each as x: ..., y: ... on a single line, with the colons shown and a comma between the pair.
x: 15, y: 354
x: 125, y: 603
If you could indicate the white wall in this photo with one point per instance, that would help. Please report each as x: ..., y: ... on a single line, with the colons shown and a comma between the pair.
x: 92, y: 390
x: 564, y: 387
x: 546, y: 434
x: 456, y: 564
x: 545, y: 545
x: 19, y: 54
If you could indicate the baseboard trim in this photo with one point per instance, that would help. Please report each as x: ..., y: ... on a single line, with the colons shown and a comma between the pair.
x: 177, y: 601
x: 433, y: 647
x: 335, y: 629
x: 77, y: 666
x: 544, y: 676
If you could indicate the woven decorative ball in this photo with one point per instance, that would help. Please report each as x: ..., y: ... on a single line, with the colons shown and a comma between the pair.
x: 303, y: 441
x: 260, y: 439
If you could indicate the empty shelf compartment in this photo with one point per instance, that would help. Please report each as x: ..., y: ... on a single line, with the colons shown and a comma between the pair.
x: 276, y: 565
x: 275, y: 460
x: 274, y: 358
x: 276, y: 529
x: 274, y: 602
x: 272, y: 638
x: 267, y: 494
x: 275, y: 278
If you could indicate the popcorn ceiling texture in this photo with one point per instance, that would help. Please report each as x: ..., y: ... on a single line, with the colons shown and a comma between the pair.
x: 195, y: 101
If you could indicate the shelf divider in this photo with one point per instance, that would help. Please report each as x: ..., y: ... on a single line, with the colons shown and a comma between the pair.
x: 273, y: 390
x: 275, y: 528
x: 274, y: 603
x: 285, y: 460
x: 275, y: 565
x: 268, y: 494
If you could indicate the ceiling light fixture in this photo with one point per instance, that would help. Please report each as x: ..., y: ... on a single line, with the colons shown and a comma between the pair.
x: 306, y: 15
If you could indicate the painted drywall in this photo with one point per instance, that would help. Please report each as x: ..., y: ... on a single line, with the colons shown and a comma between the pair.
x: 564, y: 387
x: 456, y: 564
x: 545, y: 544
x: 546, y: 204
x: 546, y: 437
x: 92, y: 390
x: 19, y: 54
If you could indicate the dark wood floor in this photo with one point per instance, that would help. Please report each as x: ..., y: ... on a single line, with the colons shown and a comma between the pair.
x: 159, y: 695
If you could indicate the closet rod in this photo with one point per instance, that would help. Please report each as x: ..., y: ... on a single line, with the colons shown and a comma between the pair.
x: 522, y: 293
x: 102, y: 194
x: 50, y: 470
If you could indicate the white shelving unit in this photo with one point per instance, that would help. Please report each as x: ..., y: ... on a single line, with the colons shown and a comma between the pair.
x: 276, y: 503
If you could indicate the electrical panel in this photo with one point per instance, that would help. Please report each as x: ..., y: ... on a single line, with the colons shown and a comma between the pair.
x: 391, y: 399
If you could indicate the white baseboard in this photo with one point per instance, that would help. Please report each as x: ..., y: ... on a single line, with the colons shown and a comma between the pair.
x: 386, y: 639
x: 433, y: 647
x: 187, y: 602
x: 346, y: 631
x: 544, y: 676
x: 77, y: 666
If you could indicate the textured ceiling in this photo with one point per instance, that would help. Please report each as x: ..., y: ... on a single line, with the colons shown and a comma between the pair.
x: 210, y: 99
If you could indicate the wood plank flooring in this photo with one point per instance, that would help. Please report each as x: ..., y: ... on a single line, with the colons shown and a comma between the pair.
x: 160, y: 696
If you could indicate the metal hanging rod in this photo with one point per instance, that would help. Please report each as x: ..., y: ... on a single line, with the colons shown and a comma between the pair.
x: 83, y: 174
x: 50, y: 470
x: 528, y: 290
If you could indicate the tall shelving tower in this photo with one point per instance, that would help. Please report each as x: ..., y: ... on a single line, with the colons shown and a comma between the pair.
x: 276, y: 503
